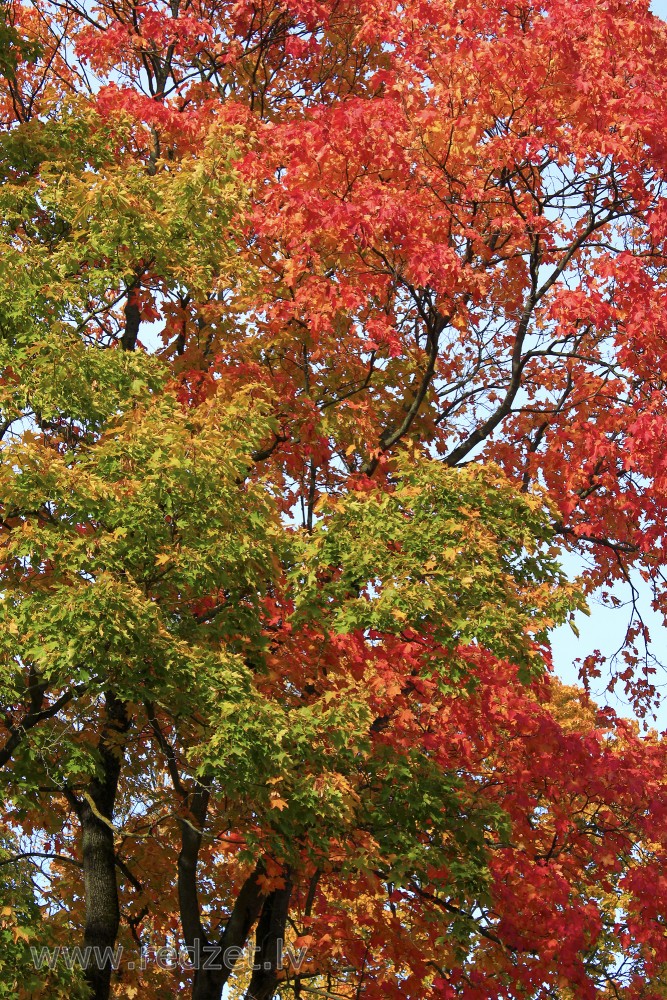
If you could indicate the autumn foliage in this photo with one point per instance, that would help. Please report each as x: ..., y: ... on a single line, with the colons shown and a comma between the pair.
x: 326, y: 330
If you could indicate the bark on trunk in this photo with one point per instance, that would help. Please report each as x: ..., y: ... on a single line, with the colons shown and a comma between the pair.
x: 132, y: 320
x: 208, y: 982
x: 102, y: 910
x: 270, y: 939
x: 204, y: 986
x: 213, y: 962
x: 99, y: 856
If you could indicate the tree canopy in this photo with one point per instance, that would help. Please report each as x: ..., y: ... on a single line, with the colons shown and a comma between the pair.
x: 326, y: 330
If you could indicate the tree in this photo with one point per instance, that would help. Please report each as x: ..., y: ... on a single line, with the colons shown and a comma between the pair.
x: 323, y: 327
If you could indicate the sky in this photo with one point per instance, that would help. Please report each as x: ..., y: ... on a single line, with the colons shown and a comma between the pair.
x: 604, y: 629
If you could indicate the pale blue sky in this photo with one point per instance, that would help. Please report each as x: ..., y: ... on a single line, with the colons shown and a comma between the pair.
x: 605, y: 628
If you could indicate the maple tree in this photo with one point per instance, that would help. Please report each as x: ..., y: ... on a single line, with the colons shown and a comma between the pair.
x: 325, y: 327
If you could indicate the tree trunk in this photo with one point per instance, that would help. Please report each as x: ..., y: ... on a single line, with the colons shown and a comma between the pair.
x: 101, y: 894
x: 98, y: 851
x: 208, y: 983
x: 270, y: 941
x: 213, y: 961
x: 205, y: 986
